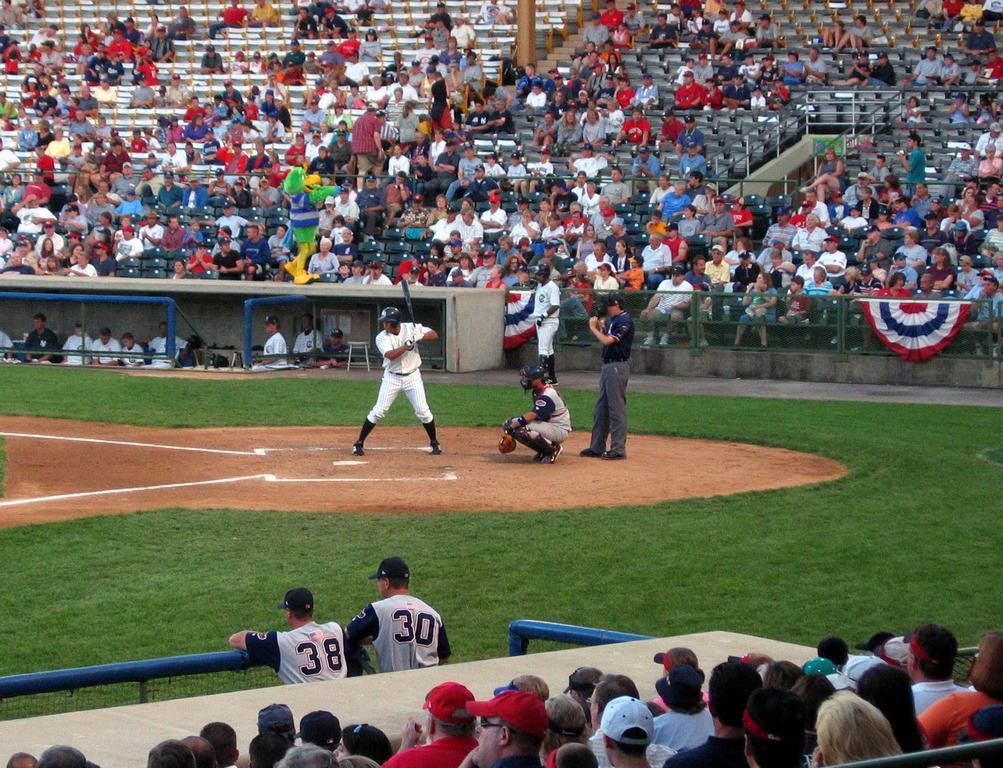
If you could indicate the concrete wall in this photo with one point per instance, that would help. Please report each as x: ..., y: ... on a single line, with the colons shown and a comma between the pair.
x: 793, y: 164
x: 941, y: 371
x: 469, y: 320
x: 120, y: 737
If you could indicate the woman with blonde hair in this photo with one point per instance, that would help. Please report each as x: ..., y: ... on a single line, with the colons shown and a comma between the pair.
x: 943, y: 720
x: 567, y: 724
x: 851, y: 729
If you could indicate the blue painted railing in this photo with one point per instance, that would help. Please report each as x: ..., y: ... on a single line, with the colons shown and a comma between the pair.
x: 521, y: 631
x: 122, y: 672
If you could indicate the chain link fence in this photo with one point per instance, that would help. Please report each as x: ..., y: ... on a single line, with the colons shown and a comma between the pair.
x: 786, y: 321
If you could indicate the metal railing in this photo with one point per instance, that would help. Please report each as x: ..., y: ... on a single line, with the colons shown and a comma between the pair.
x: 829, y: 324
x: 521, y: 631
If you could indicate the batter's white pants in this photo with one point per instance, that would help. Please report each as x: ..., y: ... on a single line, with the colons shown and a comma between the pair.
x: 413, y: 388
x: 545, y: 336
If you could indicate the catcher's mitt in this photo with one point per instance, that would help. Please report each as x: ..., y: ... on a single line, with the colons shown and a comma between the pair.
x: 506, y: 444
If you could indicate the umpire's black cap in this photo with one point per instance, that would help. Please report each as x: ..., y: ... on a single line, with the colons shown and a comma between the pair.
x: 392, y: 568
x: 298, y: 599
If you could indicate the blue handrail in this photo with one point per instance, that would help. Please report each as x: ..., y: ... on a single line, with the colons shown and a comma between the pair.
x: 122, y: 672
x: 521, y: 631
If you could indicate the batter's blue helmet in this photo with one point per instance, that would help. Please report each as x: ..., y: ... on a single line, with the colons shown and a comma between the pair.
x: 391, y: 315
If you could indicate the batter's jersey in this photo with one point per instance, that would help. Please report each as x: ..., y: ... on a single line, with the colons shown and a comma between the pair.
x: 308, y: 654
x: 410, y: 361
x: 407, y: 633
x: 547, y: 295
x: 549, y: 406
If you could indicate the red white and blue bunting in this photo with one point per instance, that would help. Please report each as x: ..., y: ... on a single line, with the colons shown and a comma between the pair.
x: 520, y: 325
x: 915, y: 330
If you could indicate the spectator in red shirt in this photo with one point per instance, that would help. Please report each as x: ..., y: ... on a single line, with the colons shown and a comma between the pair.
x: 119, y: 45
x: 232, y: 17
x: 623, y: 94
x: 449, y: 730
x: 671, y: 130
x: 351, y: 46
x: 690, y: 95
x: 612, y: 17
x: 636, y: 130
x: 45, y: 165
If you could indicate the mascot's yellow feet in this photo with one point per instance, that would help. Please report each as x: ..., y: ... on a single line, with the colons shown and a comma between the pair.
x: 304, y: 277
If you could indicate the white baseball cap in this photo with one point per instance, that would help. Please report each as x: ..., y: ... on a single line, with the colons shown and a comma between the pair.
x: 626, y: 715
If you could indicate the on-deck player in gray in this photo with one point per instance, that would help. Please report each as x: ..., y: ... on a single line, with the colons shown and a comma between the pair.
x: 397, y: 343
x: 309, y: 652
x: 406, y: 632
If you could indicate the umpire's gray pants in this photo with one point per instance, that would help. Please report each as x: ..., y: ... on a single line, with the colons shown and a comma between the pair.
x: 609, y: 419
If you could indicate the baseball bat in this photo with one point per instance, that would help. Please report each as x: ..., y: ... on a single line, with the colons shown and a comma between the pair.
x: 407, y: 300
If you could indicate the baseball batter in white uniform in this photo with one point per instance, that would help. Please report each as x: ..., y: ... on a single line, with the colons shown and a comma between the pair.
x: 546, y: 308
x: 397, y: 344
x: 406, y: 632
x: 308, y: 653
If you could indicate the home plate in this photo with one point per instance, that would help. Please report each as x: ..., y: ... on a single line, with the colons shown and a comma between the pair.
x: 347, y: 463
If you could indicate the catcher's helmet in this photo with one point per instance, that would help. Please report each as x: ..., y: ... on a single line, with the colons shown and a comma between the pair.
x: 391, y: 315
x: 530, y: 374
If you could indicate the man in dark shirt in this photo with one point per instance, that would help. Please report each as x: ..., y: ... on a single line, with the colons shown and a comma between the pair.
x: 371, y: 208
x: 883, y: 71
x: 323, y: 164
x: 501, y: 119
x: 747, y: 270
x: 445, y: 168
x: 255, y: 252
x: 736, y: 94
x: 615, y: 331
x: 228, y: 260
x: 477, y: 120
x: 979, y: 42
x: 103, y: 263
x: 664, y: 35
x: 336, y: 350
x: 40, y: 340
x: 731, y: 685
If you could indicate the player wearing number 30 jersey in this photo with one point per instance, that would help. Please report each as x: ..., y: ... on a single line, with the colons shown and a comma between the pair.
x: 406, y: 632
x: 308, y: 653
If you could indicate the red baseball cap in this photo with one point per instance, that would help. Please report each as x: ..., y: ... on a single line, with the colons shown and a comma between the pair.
x: 523, y: 712
x: 448, y: 702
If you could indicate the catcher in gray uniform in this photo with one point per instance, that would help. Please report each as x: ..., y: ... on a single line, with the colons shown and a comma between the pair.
x: 544, y: 428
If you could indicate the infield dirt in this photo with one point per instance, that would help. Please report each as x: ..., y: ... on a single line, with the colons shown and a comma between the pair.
x: 59, y: 469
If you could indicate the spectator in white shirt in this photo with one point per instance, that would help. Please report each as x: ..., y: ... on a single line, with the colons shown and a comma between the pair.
x: 932, y: 651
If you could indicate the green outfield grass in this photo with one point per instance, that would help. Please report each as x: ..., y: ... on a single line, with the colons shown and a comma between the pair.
x: 911, y: 535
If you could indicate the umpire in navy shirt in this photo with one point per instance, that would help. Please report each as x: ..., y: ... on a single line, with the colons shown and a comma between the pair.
x: 609, y: 419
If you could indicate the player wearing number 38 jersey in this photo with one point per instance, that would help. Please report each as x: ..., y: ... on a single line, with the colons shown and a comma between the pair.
x: 308, y: 653
x: 406, y: 632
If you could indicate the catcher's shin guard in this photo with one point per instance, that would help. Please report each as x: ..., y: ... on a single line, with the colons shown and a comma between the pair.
x: 535, y: 442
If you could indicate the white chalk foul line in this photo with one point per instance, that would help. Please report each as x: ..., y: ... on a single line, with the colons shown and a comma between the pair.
x: 130, y: 443
x: 113, y: 491
x: 445, y: 476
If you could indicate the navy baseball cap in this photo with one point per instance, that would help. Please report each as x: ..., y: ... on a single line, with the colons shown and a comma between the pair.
x: 298, y: 599
x: 320, y: 728
x: 392, y: 568
x: 277, y: 718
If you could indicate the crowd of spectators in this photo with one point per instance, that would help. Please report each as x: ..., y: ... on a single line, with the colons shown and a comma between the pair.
x: 419, y: 200
x: 896, y: 695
